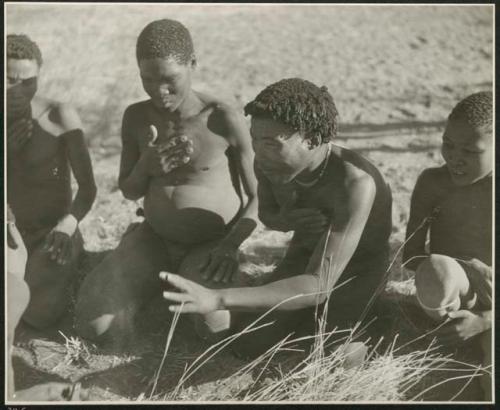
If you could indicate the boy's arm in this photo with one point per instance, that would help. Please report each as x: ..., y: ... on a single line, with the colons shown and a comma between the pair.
x: 306, y: 290
x: 133, y: 180
x: 222, y: 261
x: 80, y: 162
x: 420, y: 208
x: 58, y: 241
x: 239, y: 138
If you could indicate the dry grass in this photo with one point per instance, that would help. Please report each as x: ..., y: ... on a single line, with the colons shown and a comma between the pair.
x: 383, y: 80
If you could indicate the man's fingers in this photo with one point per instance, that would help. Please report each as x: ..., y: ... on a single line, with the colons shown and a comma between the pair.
x: 56, y: 246
x: 230, y: 271
x: 212, y: 266
x: 65, y: 253
x: 153, y: 135
x: 175, y: 145
x: 204, y: 265
x: 49, y: 241
x: 221, y: 271
x: 177, y: 297
x: 184, y: 308
x: 179, y: 282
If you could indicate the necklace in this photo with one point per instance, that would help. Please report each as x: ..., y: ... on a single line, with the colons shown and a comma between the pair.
x: 321, y: 173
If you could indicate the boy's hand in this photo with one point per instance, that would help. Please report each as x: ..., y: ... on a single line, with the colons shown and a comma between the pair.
x: 462, y: 325
x: 18, y: 134
x: 58, y: 241
x: 480, y: 277
x: 193, y: 298
x: 163, y: 158
x: 221, y: 264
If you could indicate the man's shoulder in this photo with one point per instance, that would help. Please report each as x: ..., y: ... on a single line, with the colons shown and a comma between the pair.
x: 137, y: 109
x: 222, y: 109
x: 434, y: 177
x: 57, y: 117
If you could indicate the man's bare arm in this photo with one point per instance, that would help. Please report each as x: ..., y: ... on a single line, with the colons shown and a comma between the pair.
x: 133, y: 180
x: 304, y: 290
x: 80, y: 162
x: 239, y: 138
x: 416, y: 230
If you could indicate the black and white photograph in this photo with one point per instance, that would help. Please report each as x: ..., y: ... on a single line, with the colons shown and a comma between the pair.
x: 223, y: 203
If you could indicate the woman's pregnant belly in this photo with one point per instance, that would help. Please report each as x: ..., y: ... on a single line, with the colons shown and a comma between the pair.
x: 191, y: 213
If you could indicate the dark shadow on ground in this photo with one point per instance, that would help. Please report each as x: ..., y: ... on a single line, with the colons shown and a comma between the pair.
x: 408, y: 148
x: 370, y: 130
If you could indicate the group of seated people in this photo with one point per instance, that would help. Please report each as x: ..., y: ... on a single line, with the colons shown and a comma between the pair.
x: 207, y: 180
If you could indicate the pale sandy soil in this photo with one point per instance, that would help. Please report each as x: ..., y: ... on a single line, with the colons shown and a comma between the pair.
x: 394, y: 72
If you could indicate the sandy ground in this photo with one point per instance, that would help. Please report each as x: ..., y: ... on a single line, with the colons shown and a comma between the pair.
x: 395, y: 73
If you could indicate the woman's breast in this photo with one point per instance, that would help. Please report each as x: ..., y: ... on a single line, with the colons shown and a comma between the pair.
x: 194, y: 211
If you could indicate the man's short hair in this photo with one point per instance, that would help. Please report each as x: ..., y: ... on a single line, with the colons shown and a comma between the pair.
x: 476, y: 110
x: 165, y: 39
x: 21, y: 47
x: 300, y: 104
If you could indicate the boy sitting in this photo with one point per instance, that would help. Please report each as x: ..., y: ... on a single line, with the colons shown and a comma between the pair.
x: 185, y: 153
x: 45, y: 142
x: 453, y: 280
x: 334, y: 200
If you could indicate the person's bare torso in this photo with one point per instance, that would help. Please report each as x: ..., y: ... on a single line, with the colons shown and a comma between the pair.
x: 331, y: 189
x: 462, y: 227
x: 194, y: 202
x: 39, y: 184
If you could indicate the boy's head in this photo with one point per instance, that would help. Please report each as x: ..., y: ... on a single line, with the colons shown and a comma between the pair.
x: 166, y: 58
x: 290, y: 120
x: 24, y: 60
x: 467, y: 140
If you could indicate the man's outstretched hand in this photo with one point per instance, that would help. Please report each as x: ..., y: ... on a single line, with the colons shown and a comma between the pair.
x: 192, y: 298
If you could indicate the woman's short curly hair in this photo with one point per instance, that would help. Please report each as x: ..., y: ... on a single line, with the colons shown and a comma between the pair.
x: 165, y: 39
x: 21, y: 47
x: 300, y: 104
